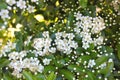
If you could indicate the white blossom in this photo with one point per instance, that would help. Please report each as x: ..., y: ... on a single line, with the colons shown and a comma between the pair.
x: 4, y: 13
x: 103, y: 65
x: 7, y: 48
x: 87, y: 27
x: 11, y: 2
x: 33, y: 64
x: 46, y: 61
x: 110, y: 60
x: 65, y: 43
x: 91, y: 63
x: 21, y: 4
x: 30, y: 9
x: 34, y: 0
x: 43, y: 45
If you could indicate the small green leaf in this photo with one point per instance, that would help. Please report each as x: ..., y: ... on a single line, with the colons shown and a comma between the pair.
x: 52, y: 76
x: 91, y: 76
x: 101, y: 60
x: 49, y: 68
x: 3, y: 5
x: 4, y: 62
x: 91, y: 47
x: 84, y: 58
x: 59, y: 63
x: 83, y: 3
x: 109, y: 49
x: 67, y: 74
x: 19, y: 45
x: 27, y: 75
x: 108, y: 69
x: 77, y: 68
x: 7, y: 77
x: 118, y: 50
x: 79, y: 50
x: 70, y: 20
x: 40, y: 77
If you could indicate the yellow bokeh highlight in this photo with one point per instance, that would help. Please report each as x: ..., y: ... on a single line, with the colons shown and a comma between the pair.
x: 39, y: 17
x: 57, y: 3
x: 65, y: 20
x: 56, y: 19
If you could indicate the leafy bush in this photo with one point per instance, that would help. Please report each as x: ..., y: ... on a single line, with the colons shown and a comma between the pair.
x: 59, y: 40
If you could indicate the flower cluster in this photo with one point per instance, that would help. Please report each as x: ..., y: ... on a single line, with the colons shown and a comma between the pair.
x: 91, y: 63
x: 52, y: 51
x: 65, y: 43
x: 87, y: 27
x: 4, y: 13
x: 43, y: 45
x: 7, y: 48
x: 18, y: 62
x: 13, y: 4
x: 116, y: 5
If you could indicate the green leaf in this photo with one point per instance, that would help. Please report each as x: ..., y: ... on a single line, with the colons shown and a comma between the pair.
x: 83, y: 3
x: 19, y: 45
x: 27, y: 75
x: 4, y: 62
x: 108, y: 69
x: 78, y: 68
x: 101, y: 60
x: 84, y: 58
x: 52, y: 76
x: 109, y: 49
x: 60, y: 64
x: 40, y: 77
x: 91, y: 47
x: 79, y: 50
x: 49, y: 68
x: 7, y: 77
x: 3, y: 5
x: 118, y: 50
x: 67, y: 74
x: 91, y: 76
x: 70, y: 20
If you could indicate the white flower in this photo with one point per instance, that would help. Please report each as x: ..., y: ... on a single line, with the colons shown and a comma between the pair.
x: 17, y: 55
x: 21, y: 4
x: 52, y: 50
x: 43, y: 45
x: 65, y: 43
x: 45, y: 34
x: 34, y: 0
x: 78, y: 15
x: 38, y: 43
x: 17, y: 74
x: 40, y: 68
x: 110, y: 60
x: 28, y: 40
x: 87, y: 27
x: 28, y: 63
x: 70, y: 36
x: 46, y: 61
x: 85, y: 45
x: 13, y: 55
x: 91, y: 63
x: 87, y: 38
x: 103, y: 65
x: 7, y: 48
x: 4, y: 14
x: 30, y: 9
x: 11, y: 2
x: 99, y: 40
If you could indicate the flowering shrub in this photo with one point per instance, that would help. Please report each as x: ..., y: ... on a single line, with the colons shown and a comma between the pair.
x: 59, y: 40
